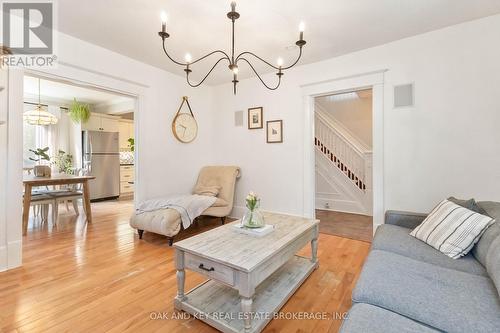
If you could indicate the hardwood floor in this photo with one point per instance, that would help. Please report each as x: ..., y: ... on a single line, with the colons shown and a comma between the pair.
x: 101, y: 278
x: 353, y: 226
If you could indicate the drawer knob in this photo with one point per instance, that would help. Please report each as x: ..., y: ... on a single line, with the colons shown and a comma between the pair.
x: 211, y: 269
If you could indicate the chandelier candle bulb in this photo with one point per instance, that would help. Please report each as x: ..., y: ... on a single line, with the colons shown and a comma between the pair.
x: 302, y: 27
x: 163, y: 17
x: 188, y: 58
x: 280, y: 62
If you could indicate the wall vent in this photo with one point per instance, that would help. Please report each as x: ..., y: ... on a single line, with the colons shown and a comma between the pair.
x: 403, y: 96
x: 238, y: 119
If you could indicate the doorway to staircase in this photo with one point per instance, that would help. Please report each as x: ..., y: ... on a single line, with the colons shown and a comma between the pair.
x: 343, y: 163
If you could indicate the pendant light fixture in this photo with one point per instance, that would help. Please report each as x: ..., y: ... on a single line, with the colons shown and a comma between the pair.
x: 38, y: 116
x: 232, y: 59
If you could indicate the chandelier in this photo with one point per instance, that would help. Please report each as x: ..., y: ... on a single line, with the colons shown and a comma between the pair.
x: 38, y: 116
x: 232, y: 60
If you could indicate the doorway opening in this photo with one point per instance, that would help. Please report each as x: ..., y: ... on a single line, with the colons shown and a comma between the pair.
x: 343, y: 144
x: 69, y: 144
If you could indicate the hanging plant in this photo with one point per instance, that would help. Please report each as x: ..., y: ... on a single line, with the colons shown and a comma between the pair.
x: 79, y: 112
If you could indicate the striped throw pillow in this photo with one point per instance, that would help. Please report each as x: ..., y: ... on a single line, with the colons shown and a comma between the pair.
x: 452, y: 229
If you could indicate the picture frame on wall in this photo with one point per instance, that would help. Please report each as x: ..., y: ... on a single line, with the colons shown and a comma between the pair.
x: 255, y: 118
x: 274, y: 131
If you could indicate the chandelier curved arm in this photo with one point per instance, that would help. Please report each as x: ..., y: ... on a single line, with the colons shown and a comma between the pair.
x: 267, y: 62
x: 195, y: 61
x: 261, y: 80
x: 210, y: 71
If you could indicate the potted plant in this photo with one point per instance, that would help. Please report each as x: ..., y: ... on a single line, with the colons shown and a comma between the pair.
x: 131, y: 143
x: 79, y: 112
x: 41, y: 170
x: 63, y: 161
x: 253, y: 218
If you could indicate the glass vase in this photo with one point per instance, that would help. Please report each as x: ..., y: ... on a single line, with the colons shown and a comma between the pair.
x: 253, y: 218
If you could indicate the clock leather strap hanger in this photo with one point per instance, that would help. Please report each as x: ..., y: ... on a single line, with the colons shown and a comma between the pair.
x: 185, y: 99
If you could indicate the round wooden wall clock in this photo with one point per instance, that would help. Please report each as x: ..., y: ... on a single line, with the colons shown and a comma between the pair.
x: 184, y: 125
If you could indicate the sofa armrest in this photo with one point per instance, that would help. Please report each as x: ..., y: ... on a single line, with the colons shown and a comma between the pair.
x: 404, y: 219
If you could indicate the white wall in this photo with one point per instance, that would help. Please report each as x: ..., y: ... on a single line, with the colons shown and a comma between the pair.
x: 355, y: 114
x: 164, y: 165
x: 448, y: 144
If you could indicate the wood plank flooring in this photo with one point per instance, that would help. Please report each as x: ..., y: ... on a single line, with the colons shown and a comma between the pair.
x: 353, y: 226
x: 101, y: 278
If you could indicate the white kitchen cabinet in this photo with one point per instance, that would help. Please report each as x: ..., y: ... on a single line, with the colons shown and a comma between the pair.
x: 93, y: 124
x: 127, y: 177
x: 102, y: 122
x: 126, y: 130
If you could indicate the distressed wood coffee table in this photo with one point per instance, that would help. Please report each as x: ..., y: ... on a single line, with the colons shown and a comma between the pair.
x: 250, y: 278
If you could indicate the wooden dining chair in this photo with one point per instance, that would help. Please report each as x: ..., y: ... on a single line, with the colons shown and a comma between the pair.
x: 70, y: 193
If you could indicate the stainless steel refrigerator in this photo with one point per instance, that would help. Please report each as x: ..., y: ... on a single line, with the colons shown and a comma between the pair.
x: 101, y: 157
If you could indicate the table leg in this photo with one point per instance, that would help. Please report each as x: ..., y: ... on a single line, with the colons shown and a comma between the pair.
x: 246, y: 309
x: 86, y: 201
x: 26, y: 207
x: 314, y: 245
x: 181, y: 278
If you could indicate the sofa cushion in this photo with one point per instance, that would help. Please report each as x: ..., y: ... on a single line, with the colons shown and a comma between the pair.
x: 368, y: 318
x: 493, y: 263
x: 470, y: 204
x: 397, y: 239
x: 481, y: 249
x: 483, y: 245
x: 452, y: 229
x: 446, y: 299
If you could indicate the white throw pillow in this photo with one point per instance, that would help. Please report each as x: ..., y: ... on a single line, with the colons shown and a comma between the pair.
x: 452, y: 229
x: 211, y: 191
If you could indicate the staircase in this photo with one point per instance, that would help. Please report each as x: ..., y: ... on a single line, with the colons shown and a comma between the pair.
x: 343, y: 168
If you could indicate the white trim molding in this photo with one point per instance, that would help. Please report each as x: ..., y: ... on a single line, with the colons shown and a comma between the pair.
x: 373, y: 80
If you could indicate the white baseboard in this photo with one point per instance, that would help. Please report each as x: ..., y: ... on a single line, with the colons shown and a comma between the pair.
x: 345, y: 206
x: 14, y: 254
x: 3, y: 258
x: 237, y: 212
x: 11, y: 255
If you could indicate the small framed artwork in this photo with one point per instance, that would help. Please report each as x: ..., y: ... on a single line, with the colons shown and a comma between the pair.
x: 274, y: 131
x: 255, y: 118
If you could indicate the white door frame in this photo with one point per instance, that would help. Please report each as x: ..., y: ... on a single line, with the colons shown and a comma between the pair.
x: 71, y: 74
x: 373, y: 80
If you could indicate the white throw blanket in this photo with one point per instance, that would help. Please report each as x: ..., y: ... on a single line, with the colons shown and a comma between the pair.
x: 189, y: 206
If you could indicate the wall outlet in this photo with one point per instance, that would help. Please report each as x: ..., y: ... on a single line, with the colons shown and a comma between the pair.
x: 327, y: 205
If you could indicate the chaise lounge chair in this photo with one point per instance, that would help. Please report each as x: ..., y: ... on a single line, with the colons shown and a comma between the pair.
x: 167, y: 221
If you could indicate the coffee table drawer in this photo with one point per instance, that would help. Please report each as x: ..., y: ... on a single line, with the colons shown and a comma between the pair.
x: 209, y: 268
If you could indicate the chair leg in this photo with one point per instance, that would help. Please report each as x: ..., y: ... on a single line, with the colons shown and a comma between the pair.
x: 223, y: 220
x: 55, y: 212
x: 45, y: 213
x: 67, y: 205
x: 140, y: 232
x: 75, y: 206
x: 170, y: 241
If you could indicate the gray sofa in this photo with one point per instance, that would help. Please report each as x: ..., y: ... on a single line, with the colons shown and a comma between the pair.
x: 408, y: 286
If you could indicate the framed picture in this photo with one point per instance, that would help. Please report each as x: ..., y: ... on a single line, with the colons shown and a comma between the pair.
x: 255, y: 118
x: 274, y: 131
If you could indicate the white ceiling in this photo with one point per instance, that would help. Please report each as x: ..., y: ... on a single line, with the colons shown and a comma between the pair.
x: 269, y: 28
x: 64, y: 93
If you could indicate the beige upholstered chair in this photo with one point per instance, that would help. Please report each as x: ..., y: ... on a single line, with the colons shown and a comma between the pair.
x: 224, y: 177
x: 167, y: 222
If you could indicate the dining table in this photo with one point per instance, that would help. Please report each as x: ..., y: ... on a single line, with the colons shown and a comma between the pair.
x: 31, y: 181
